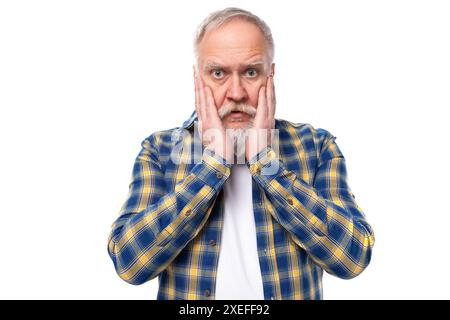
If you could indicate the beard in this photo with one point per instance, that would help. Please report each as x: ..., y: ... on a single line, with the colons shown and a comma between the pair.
x: 238, y: 138
x: 238, y: 134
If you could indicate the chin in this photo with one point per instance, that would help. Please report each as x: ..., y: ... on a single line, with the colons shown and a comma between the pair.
x: 244, y: 124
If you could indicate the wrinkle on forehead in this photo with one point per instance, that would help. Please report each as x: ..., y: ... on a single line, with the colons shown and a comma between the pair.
x: 254, y: 61
x: 218, y: 46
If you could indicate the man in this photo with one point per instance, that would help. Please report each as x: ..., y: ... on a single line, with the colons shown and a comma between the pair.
x: 218, y: 228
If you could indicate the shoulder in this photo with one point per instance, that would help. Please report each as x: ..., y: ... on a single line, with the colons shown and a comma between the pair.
x: 164, y: 138
x: 316, y: 142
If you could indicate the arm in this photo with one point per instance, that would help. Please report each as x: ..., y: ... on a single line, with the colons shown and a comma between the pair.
x: 155, y: 225
x: 322, y: 219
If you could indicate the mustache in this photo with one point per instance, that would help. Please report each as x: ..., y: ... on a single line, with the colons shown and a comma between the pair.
x: 232, y: 106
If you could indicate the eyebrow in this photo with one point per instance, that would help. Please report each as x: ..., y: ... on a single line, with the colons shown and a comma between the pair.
x: 214, y: 65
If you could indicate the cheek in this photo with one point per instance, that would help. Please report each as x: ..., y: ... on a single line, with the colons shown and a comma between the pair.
x: 253, y: 95
x: 219, y: 95
x: 217, y: 91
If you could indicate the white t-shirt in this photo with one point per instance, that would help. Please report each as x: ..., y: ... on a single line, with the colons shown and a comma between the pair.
x: 238, y: 271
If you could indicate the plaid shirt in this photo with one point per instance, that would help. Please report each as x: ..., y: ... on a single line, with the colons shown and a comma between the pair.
x: 305, y: 213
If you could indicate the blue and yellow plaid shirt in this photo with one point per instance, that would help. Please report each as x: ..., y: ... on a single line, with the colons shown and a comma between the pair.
x: 305, y: 213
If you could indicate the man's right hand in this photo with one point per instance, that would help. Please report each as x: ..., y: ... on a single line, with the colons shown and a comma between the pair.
x: 211, y: 129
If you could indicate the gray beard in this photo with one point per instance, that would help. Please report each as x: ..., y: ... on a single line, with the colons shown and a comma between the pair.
x: 239, y: 138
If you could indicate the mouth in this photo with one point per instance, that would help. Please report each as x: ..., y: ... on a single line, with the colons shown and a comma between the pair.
x: 237, y: 114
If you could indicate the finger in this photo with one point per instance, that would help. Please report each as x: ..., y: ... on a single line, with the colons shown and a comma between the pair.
x: 262, y: 102
x: 274, y: 97
x: 271, y: 96
x: 210, y: 104
x: 269, y: 90
x: 197, y: 99
x: 202, y: 98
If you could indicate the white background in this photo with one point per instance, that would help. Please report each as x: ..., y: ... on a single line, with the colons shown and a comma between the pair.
x: 82, y: 83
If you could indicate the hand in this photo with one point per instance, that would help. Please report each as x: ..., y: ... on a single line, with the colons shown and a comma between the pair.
x: 211, y: 129
x: 259, y: 136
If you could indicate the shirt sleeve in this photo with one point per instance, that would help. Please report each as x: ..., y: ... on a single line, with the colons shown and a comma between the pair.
x: 154, y: 224
x: 323, y: 218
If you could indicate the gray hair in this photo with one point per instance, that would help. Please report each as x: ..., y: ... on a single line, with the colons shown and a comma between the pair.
x: 220, y: 17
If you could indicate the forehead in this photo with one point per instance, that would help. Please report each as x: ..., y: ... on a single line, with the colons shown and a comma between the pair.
x: 236, y: 42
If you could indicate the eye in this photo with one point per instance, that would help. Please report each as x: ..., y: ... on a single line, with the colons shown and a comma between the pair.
x: 251, y: 72
x: 217, y: 74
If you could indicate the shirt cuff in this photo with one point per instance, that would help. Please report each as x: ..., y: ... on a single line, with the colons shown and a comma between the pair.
x: 265, y: 165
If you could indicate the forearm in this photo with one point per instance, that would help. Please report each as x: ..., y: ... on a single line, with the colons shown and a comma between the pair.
x: 143, y: 244
x: 329, y: 225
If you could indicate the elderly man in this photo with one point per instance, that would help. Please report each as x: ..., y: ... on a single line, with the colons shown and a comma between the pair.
x: 264, y: 227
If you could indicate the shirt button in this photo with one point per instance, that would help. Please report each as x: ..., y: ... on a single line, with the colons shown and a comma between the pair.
x: 188, y: 212
x: 265, y: 250
x: 212, y: 243
x: 207, y: 293
x: 290, y: 201
x: 219, y: 175
x: 258, y: 170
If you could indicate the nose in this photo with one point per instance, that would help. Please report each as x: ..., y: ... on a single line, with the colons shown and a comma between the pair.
x: 236, y: 91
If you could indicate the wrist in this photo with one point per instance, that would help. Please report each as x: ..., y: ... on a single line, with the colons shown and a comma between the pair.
x: 223, y: 151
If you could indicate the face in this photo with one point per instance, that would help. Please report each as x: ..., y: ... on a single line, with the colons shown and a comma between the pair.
x: 233, y: 61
